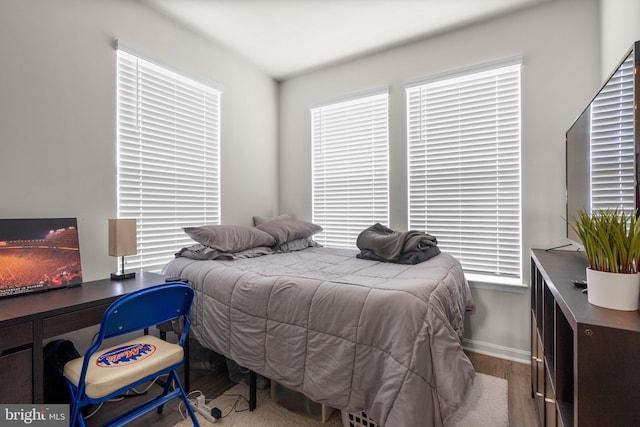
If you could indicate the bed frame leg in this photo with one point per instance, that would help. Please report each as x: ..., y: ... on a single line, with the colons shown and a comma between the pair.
x: 252, y: 390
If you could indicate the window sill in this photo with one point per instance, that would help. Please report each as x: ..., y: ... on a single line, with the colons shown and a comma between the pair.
x: 496, y: 283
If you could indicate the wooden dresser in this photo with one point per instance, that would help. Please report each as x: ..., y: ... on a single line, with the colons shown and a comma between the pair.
x: 585, y: 367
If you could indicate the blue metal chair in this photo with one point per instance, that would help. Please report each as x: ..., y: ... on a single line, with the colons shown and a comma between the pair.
x: 102, y: 374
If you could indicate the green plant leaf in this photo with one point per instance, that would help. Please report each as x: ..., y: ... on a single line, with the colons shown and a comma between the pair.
x: 611, y: 239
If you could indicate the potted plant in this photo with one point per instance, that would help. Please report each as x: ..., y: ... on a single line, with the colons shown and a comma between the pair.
x: 611, y: 240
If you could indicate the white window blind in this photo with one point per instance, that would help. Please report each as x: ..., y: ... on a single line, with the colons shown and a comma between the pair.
x: 612, y: 143
x: 168, y: 157
x: 464, y: 168
x: 350, y: 168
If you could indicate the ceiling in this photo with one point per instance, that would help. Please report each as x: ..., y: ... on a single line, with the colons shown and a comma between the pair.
x: 288, y: 37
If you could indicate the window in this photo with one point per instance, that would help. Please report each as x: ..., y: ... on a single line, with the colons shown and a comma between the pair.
x: 350, y: 167
x: 612, y: 143
x: 168, y: 157
x: 464, y: 168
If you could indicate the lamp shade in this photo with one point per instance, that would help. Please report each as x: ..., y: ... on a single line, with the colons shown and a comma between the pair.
x: 122, y: 237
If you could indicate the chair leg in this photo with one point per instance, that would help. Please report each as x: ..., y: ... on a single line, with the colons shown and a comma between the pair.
x: 169, y: 385
x: 76, y: 418
x: 185, y: 399
x: 73, y: 419
x: 175, y: 380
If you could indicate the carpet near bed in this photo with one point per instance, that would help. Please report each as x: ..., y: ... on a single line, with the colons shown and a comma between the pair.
x: 486, y: 406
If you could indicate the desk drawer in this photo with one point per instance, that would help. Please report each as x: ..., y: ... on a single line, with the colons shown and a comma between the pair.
x: 15, y: 376
x: 63, y: 323
x: 15, y: 336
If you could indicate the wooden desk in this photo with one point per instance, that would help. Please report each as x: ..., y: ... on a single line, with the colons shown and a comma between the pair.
x: 27, y: 320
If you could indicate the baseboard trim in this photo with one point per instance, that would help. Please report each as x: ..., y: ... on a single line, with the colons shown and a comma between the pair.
x: 494, y: 350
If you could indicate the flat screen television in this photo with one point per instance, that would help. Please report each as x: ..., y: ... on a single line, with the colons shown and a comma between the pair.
x: 603, y: 144
x: 38, y: 255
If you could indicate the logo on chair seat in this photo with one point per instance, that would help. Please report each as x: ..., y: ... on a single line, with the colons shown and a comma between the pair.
x: 125, y: 355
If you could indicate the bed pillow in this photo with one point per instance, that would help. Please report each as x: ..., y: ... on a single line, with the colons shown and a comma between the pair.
x: 288, y: 229
x: 257, y: 220
x: 229, y: 238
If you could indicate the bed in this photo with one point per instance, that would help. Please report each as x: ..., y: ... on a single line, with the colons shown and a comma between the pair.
x: 350, y: 333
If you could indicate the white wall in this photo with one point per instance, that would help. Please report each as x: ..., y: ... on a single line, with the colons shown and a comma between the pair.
x: 559, y: 44
x: 58, y: 124
x: 619, y: 28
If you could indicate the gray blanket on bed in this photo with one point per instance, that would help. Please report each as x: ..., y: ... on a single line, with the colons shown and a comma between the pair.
x: 390, y: 245
x: 411, y: 257
x: 202, y: 253
x: 353, y: 334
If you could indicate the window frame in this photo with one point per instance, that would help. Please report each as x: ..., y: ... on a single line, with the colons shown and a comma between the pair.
x: 168, y: 155
x: 416, y: 119
x: 344, y: 212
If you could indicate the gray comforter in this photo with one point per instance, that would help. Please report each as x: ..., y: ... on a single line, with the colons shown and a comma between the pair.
x: 350, y: 333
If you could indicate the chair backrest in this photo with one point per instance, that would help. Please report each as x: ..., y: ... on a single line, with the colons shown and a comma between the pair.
x: 145, y: 308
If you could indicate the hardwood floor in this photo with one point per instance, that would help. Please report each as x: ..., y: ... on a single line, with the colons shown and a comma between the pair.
x: 521, y: 406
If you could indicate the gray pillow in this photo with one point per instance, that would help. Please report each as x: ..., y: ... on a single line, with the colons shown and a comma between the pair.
x: 288, y: 229
x: 257, y: 220
x: 229, y: 238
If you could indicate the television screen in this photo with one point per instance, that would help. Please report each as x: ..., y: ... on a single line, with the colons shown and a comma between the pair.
x: 578, y: 169
x: 602, y: 146
x: 38, y: 255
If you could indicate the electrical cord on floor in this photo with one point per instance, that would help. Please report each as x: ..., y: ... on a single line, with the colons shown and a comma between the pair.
x: 139, y: 393
x: 95, y: 411
x: 234, y: 407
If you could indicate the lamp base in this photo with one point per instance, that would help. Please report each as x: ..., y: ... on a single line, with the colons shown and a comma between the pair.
x: 123, y: 276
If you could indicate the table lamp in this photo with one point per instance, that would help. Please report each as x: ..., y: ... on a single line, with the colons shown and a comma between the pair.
x: 122, y: 242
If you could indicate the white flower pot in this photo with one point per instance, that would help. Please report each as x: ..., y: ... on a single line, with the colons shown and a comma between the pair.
x: 613, y: 290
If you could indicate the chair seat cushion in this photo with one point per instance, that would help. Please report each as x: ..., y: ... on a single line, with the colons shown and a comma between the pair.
x: 113, y: 368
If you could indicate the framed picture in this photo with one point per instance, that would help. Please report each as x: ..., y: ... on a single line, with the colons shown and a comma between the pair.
x: 38, y: 255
